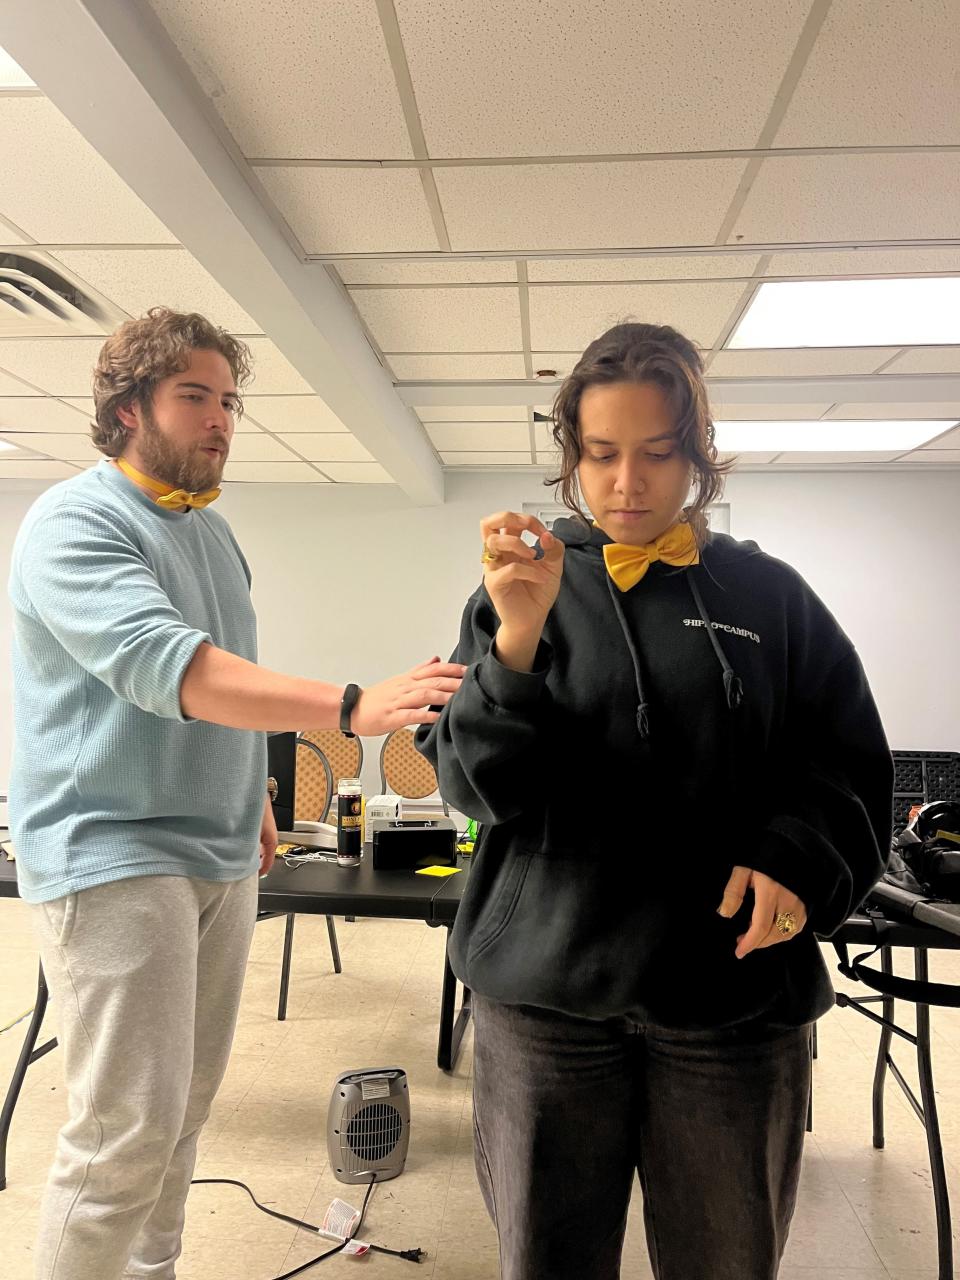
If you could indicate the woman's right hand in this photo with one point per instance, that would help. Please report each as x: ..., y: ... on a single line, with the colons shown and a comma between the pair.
x: 523, y: 588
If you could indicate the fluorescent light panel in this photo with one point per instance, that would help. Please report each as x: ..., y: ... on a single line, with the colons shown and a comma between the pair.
x: 825, y: 437
x: 13, y: 76
x: 852, y: 313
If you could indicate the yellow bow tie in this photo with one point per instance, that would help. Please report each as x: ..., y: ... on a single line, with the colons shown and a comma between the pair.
x: 627, y: 565
x: 167, y: 497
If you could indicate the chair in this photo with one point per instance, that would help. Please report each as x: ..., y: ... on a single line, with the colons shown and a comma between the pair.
x: 404, y: 771
x: 344, y: 755
x: 314, y: 789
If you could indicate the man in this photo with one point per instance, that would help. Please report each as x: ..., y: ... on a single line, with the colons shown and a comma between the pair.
x: 138, y: 789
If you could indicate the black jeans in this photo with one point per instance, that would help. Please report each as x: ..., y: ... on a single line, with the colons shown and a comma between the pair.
x: 566, y: 1109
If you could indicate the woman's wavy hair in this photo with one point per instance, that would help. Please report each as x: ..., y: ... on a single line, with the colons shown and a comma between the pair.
x: 142, y: 353
x: 654, y: 353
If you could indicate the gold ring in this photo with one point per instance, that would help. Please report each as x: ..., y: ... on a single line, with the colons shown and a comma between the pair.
x: 786, y: 923
x: 489, y: 557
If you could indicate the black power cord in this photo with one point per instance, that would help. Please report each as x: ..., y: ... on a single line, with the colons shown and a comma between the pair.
x: 409, y: 1255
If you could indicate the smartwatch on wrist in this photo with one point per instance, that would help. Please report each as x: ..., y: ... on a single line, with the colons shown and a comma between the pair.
x: 351, y: 696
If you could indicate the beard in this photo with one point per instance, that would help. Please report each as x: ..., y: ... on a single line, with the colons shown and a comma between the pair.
x: 181, y: 468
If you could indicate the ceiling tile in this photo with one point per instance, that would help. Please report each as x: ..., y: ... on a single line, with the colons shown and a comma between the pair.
x: 852, y: 197
x: 61, y: 366
x: 889, y: 410
x: 458, y: 368
x: 137, y: 279
x: 569, y: 316
x: 65, y: 192
x: 273, y: 374
x: 864, y: 262
x: 801, y: 458
x: 499, y: 78
x: 479, y: 436
x: 10, y: 386
x: 299, y: 81
x: 272, y: 473
x: 723, y: 412
x: 577, y: 206
x: 36, y: 469
x: 69, y: 448
x: 941, y: 457
x: 358, y: 473
x: 472, y: 413
x: 799, y: 362
x: 878, y: 74
x: 442, y: 319
x: 353, y: 210
x: 927, y: 360
x: 291, y: 413
x: 8, y: 235
x: 259, y: 448
x: 35, y: 413
x: 328, y: 447
x: 669, y: 267
x: 950, y: 440
x: 561, y: 362
x: 498, y: 271
x: 519, y: 457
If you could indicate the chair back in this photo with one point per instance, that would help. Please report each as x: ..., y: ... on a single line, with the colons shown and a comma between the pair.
x: 403, y: 770
x: 314, y: 787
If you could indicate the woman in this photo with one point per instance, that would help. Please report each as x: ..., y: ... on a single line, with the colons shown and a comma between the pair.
x: 681, y: 775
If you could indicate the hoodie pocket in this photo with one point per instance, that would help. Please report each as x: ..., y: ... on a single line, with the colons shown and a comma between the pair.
x: 503, y: 901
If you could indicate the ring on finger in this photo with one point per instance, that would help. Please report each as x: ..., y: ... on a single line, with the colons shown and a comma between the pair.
x: 488, y: 556
x: 785, y: 923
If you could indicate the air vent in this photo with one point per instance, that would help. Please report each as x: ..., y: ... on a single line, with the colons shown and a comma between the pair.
x: 36, y: 301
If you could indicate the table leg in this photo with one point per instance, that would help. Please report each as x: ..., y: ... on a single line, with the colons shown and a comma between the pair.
x: 883, y: 1053
x: 931, y: 1125
x: 285, y: 967
x: 28, y: 1054
x: 451, y: 1029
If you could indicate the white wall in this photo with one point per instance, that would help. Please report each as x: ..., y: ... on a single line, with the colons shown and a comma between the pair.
x: 357, y: 585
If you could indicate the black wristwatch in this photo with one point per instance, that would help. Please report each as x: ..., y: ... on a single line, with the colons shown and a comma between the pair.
x: 351, y: 696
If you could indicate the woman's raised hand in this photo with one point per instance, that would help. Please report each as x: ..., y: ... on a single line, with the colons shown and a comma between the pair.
x: 522, y: 586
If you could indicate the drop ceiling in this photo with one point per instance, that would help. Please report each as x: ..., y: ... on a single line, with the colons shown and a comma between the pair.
x: 408, y: 210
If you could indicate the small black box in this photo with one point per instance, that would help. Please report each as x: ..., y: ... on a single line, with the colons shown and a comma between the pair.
x: 410, y: 845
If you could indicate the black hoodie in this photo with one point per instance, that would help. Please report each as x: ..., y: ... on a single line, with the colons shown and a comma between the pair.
x: 711, y: 716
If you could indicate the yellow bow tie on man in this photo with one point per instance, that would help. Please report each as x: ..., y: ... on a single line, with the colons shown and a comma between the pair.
x: 627, y: 565
x: 167, y: 497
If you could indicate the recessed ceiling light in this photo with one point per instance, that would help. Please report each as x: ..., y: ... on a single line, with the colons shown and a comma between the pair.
x: 852, y: 313
x: 825, y: 437
x: 13, y: 76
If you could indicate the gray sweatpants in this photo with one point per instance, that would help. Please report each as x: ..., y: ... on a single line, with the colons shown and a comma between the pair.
x: 566, y: 1111
x: 146, y: 974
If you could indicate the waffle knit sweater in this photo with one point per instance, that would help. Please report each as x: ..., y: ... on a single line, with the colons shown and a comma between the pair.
x: 112, y: 595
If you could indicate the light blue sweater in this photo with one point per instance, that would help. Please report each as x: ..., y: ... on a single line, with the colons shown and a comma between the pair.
x: 112, y: 595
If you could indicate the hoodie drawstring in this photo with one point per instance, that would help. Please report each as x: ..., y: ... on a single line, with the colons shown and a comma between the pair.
x: 643, y: 707
x: 732, y: 684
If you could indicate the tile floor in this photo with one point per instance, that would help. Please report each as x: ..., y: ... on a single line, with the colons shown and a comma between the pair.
x: 863, y: 1214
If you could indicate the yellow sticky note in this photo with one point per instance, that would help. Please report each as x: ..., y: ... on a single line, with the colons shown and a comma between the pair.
x: 438, y: 871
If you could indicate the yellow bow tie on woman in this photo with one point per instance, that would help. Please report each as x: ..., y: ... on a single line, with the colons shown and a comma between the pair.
x: 627, y: 565
x: 167, y: 497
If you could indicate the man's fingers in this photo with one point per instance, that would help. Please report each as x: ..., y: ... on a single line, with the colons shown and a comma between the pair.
x: 439, y: 670
x: 735, y: 889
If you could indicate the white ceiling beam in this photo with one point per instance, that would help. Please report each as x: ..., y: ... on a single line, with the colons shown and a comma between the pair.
x: 116, y: 75
x: 843, y: 389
